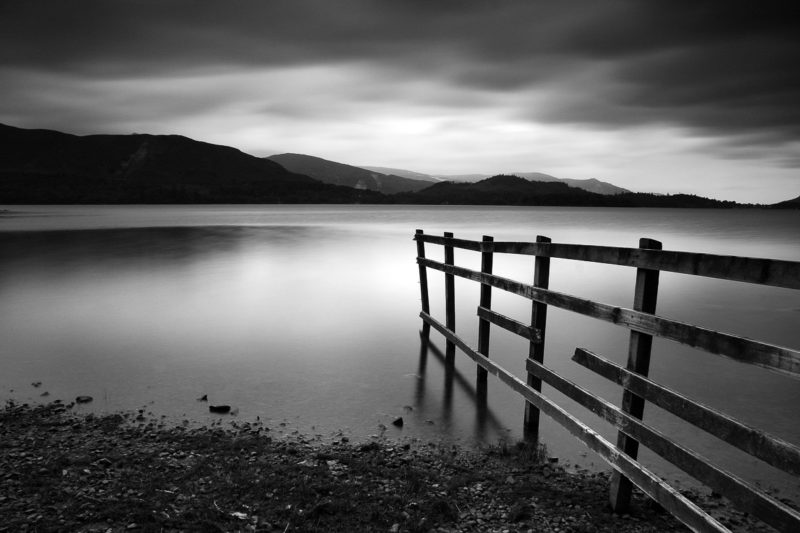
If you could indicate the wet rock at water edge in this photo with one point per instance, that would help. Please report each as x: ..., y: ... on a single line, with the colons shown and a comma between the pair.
x: 83, y: 399
x: 222, y: 409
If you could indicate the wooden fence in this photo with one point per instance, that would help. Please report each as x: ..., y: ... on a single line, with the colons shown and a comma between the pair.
x: 643, y: 324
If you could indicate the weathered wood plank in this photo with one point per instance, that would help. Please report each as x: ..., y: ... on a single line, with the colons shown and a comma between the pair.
x: 744, y: 495
x: 450, y: 298
x: 541, y: 279
x: 639, y: 345
x: 487, y: 263
x: 464, y: 244
x: 772, y: 272
x: 680, y: 507
x: 509, y: 324
x: 781, y: 359
x: 423, y: 281
x: 770, y: 449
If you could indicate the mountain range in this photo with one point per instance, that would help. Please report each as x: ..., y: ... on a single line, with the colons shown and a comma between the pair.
x: 591, y: 185
x: 347, y: 175
x: 44, y: 166
x: 514, y: 190
x: 50, y: 167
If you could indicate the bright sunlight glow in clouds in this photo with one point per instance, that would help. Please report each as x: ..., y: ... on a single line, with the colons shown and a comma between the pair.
x: 658, y: 96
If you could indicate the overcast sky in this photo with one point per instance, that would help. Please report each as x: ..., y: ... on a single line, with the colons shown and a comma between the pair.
x: 659, y: 96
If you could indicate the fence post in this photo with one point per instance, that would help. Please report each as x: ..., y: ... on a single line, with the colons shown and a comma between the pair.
x: 541, y: 279
x: 644, y: 299
x: 423, y: 282
x: 450, y: 301
x: 487, y: 260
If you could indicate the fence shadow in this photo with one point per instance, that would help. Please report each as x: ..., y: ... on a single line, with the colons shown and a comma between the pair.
x: 486, y: 421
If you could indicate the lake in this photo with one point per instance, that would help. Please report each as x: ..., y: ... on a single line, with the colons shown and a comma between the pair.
x: 307, y: 317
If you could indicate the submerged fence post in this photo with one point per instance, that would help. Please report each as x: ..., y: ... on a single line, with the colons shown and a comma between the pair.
x: 450, y: 300
x: 541, y: 279
x: 644, y: 299
x: 487, y: 260
x: 423, y: 282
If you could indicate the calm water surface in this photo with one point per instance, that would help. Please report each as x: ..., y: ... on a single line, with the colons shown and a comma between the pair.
x: 307, y: 317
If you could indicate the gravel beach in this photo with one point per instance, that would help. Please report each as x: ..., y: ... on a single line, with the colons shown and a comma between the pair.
x: 124, y: 472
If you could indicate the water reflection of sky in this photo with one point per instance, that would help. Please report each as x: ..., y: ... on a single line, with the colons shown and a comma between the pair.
x: 277, y: 316
x: 309, y: 314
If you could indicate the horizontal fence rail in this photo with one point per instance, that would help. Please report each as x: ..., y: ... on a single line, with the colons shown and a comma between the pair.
x: 772, y: 272
x: 757, y: 443
x: 735, y: 347
x: 644, y: 325
x: 514, y: 326
x: 746, y: 496
x: 686, y: 511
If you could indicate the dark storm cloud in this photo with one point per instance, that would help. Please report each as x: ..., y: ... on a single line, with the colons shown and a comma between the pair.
x: 716, y: 68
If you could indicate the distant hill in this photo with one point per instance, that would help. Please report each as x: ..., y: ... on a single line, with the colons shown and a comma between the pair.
x: 347, y: 175
x: 595, y: 185
x: 44, y: 166
x: 502, y: 190
x: 794, y: 203
x: 591, y: 185
x: 514, y: 190
x: 410, y: 174
x: 472, y: 178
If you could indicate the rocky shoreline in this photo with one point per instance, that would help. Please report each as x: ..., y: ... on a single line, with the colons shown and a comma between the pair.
x: 122, y: 472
